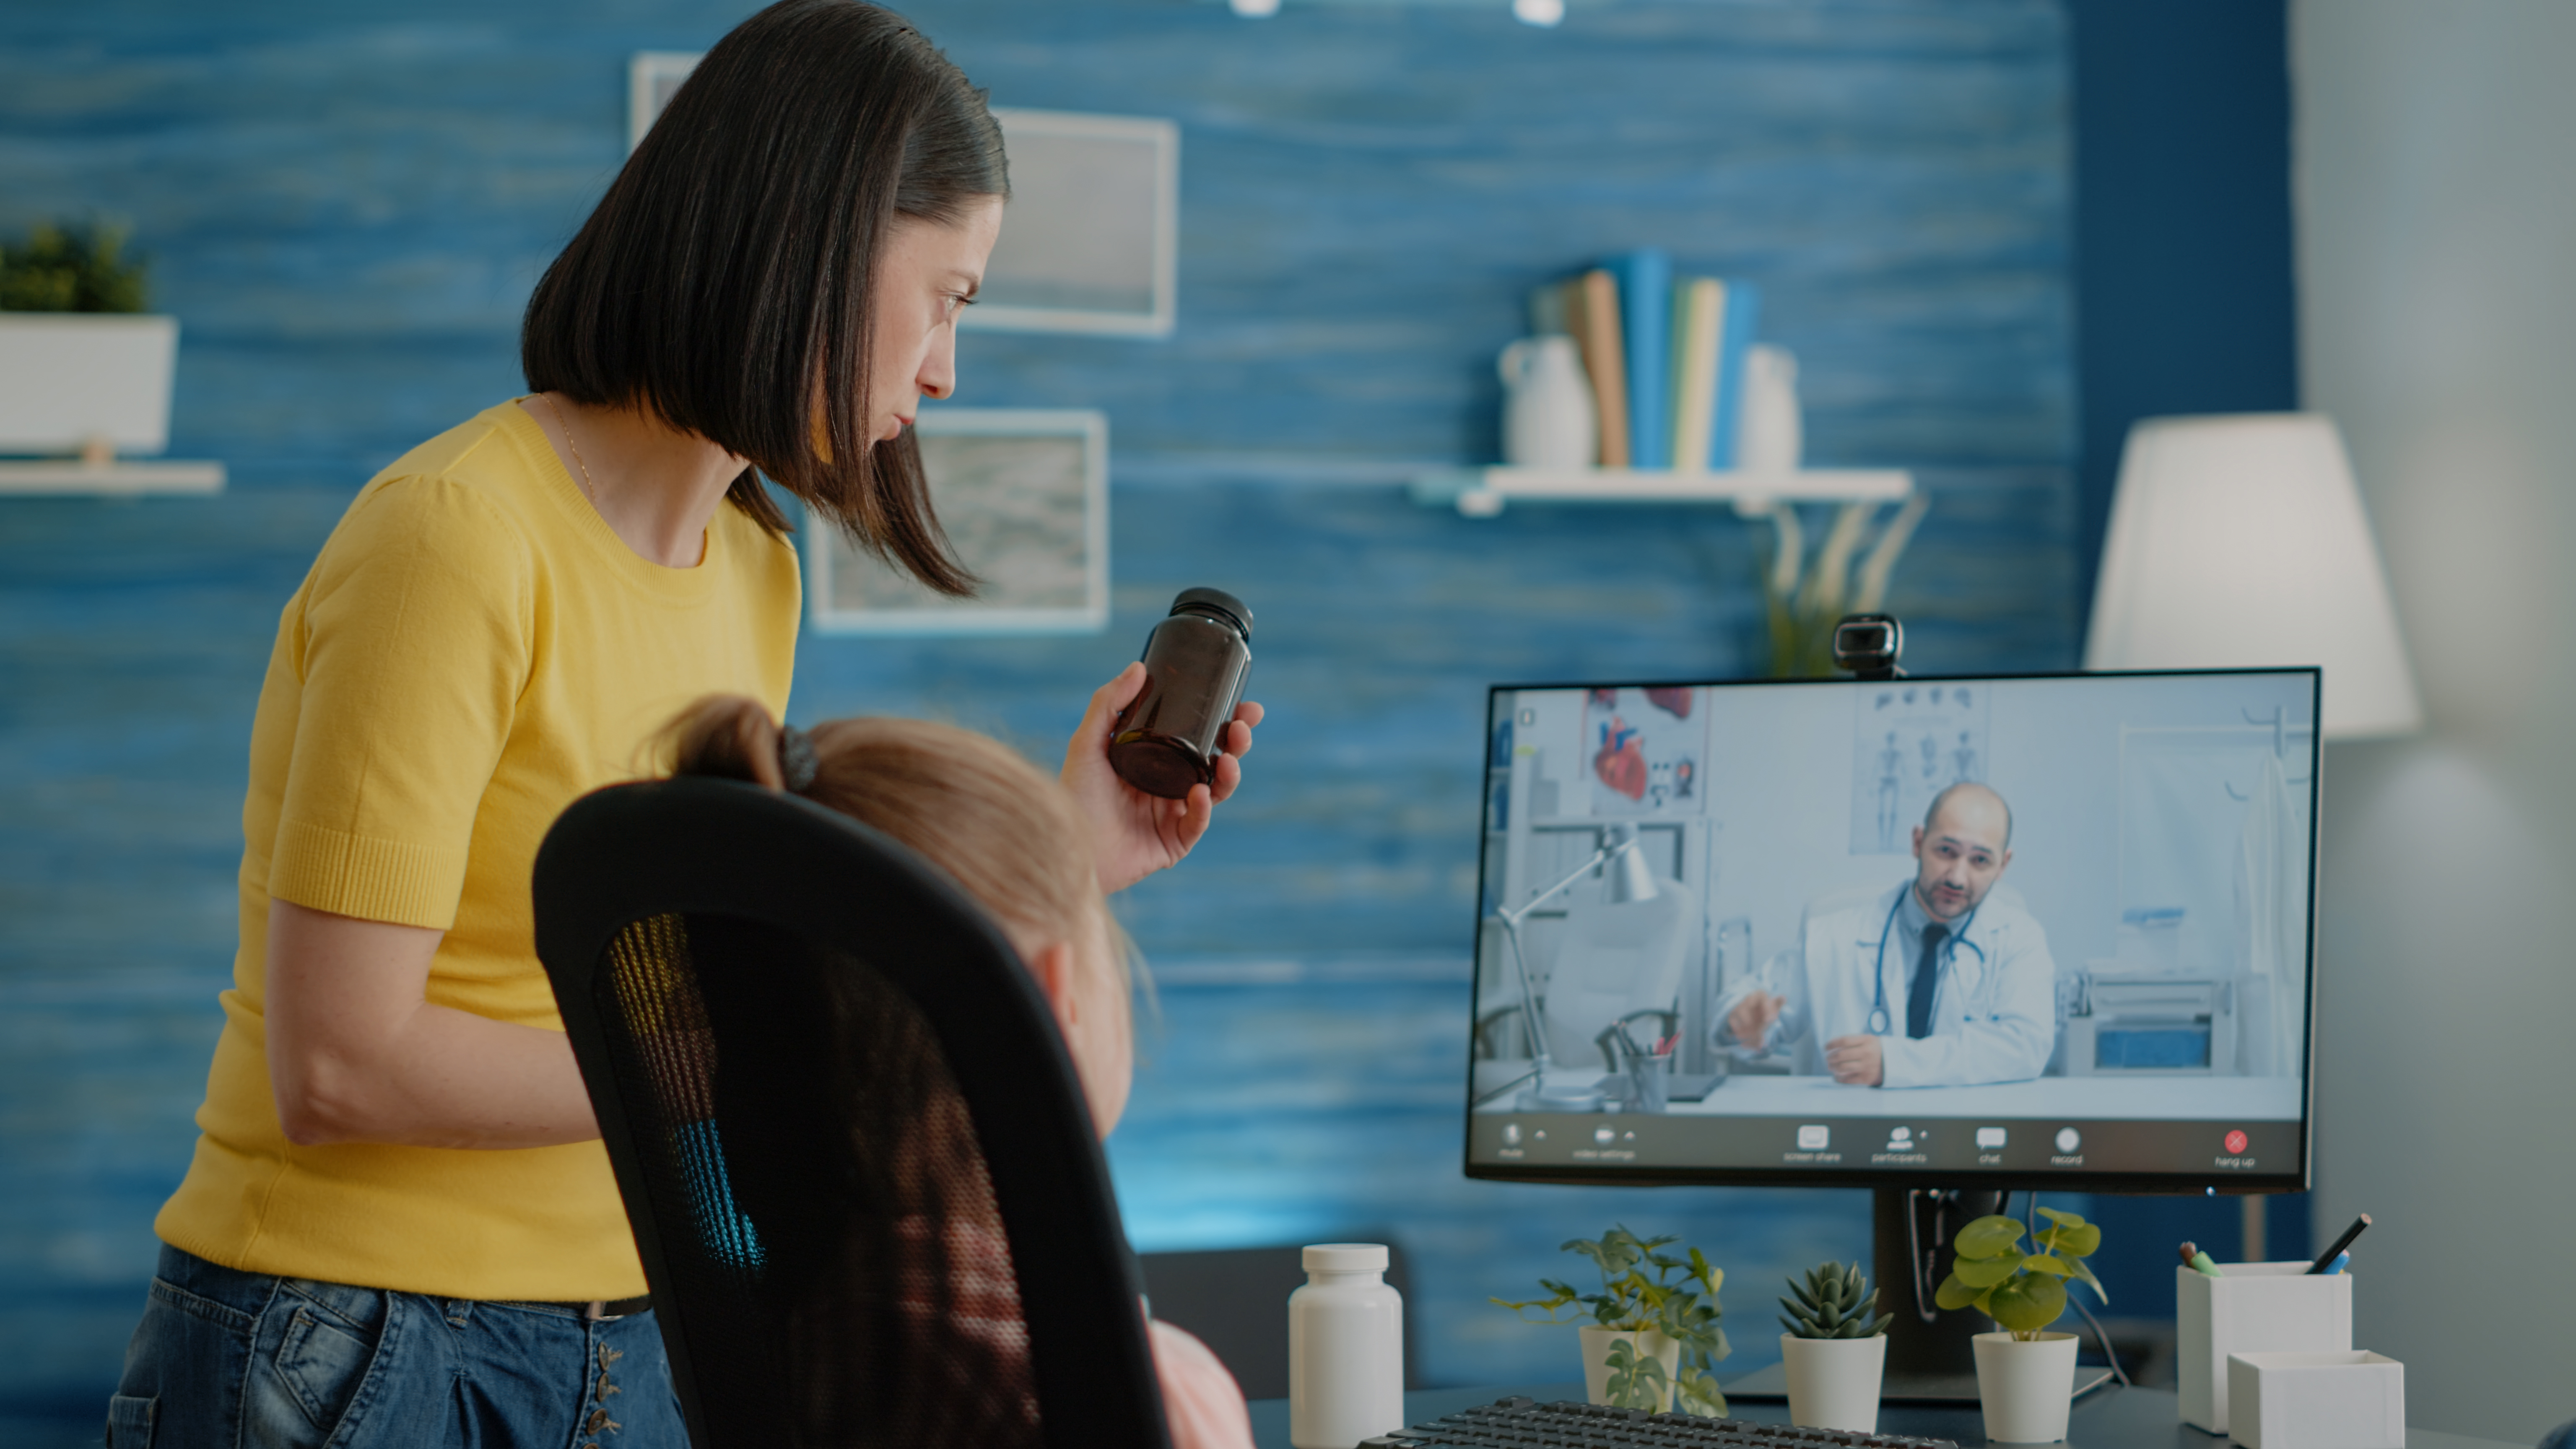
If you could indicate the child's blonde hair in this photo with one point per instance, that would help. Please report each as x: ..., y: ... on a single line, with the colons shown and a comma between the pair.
x: 1006, y: 832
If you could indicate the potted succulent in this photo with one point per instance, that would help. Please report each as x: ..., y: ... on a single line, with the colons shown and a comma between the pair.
x: 2025, y: 1374
x: 82, y: 369
x: 1652, y: 1333
x: 1833, y: 1352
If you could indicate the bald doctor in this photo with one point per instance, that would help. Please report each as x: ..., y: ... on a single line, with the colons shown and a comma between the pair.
x: 1932, y: 983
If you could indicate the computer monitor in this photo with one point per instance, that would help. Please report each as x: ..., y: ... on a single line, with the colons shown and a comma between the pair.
x: 2031, y: 931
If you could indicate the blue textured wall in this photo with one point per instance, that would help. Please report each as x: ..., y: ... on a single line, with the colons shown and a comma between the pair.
x: 346, y: 210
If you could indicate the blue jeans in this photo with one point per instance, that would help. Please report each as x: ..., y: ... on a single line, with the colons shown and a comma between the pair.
x: 247, y: 1361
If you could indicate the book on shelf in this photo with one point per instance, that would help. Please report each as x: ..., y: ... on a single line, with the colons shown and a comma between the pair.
x: 1699, y: 308
x: 1737, y: 333
x: 1592, y: 315
x: 1645, y: 282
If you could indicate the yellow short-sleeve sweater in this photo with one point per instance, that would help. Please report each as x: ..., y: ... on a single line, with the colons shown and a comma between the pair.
x: 473, y: 650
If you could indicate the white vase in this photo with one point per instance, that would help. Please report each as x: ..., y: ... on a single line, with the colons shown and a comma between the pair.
x: 1833, y: 1382
x: 1547, y: 405
x: 71, y: 380
x: 1596, y: 1361
x: 1771, y: 435
x: 2026, y: 1389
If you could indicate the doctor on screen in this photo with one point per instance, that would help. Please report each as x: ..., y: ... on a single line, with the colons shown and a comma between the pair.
x: 1932, y: 983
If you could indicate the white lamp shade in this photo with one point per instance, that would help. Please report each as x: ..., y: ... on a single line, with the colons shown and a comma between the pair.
x: 2239, y: 542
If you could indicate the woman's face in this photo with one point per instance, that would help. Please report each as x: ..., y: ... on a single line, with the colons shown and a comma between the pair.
x: 926, y: 275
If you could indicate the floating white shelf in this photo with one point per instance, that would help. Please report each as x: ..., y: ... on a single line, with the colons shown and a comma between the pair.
x: 1482, y: 492
x: 67, y: 477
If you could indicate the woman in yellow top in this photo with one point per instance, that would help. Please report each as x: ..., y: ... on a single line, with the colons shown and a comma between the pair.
x: 399, y: 1226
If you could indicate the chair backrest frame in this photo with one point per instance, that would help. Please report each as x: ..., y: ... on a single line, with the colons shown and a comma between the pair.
x: 721, y: 848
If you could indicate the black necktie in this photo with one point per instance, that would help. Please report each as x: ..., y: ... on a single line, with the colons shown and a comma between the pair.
x: 1918, y: 997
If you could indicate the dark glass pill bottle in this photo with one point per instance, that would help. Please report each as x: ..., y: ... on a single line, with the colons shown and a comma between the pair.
x: 1195, y: 663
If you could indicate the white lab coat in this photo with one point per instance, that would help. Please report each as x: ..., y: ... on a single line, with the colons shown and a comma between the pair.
x: 1994, y: 1015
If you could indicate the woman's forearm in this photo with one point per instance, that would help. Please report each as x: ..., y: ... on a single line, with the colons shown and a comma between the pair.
x: 355, y: 1054
x: 450, y: 1078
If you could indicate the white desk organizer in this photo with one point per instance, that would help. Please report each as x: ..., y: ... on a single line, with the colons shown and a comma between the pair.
x: 2256, y: 1308
x: 2349, y: 1400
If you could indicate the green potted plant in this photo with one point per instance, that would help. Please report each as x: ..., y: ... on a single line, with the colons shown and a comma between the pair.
x: 1650, y: 1336
x: 2025, y: 1374
x: 1834, y: 1352
x: 82, y: 367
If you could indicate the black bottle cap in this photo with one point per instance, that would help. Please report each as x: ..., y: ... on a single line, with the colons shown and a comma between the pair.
x: 1216, y: 601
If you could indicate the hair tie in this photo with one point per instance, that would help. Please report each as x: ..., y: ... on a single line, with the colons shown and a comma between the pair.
x: 796, y: 759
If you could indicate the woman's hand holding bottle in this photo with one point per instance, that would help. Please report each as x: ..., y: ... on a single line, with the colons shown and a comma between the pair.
x: 1137, y: 834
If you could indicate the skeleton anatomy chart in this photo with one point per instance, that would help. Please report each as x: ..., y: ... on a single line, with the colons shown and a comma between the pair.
x: 1910, y: 741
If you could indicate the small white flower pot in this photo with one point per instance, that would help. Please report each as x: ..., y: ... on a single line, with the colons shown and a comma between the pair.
x: 2026, y: 1388
x: 1596, y: 1361
x: 69, y: 380
x: 1833, y: 1382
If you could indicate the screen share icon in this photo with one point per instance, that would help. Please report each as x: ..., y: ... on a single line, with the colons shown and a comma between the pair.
x: 1813, y: 1137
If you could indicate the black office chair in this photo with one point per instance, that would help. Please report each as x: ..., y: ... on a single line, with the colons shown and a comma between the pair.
x: 857, y: 1161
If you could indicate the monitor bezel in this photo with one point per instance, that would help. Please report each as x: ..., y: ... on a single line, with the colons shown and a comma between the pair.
x: 1987, y: 1179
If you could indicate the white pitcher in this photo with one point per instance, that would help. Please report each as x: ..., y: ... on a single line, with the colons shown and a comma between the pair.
x: 1771, y: 435
x: 1547, y: 405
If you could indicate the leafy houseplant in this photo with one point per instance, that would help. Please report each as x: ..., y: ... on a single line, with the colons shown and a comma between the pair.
x: 70, y: 267
x: 2025, y: 1375
x: 1646, y: 1294
x: 1835, y: 1351
x: 1804, y: 598
x: 2024, y: 1292
x: 90, y: 374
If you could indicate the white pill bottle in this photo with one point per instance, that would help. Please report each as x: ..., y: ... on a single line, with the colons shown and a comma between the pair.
x: 1345, y: 1349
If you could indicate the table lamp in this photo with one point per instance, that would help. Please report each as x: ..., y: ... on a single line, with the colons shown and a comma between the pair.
x: 2239, y: 541
x: 1627, y: 878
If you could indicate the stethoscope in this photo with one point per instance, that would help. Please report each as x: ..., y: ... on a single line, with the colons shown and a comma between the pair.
x: 1880, y: 1023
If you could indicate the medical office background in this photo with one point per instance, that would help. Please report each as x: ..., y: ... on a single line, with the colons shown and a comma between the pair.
x: 1994, y: 232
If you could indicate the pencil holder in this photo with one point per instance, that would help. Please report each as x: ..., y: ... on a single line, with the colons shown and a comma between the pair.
x: 2344, y: 1400
x: 2256, y: 1308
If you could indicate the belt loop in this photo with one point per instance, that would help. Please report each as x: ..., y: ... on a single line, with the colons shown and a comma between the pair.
x: 595, y: 1310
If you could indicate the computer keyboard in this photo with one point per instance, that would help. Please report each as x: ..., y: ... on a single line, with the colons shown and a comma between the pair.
x: 1518, y: 1423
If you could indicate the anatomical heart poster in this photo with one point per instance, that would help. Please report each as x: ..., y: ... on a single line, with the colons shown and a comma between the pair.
x: 1646, y: 750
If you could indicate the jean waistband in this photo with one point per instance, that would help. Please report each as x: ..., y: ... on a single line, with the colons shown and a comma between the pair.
x: 248, y: 1292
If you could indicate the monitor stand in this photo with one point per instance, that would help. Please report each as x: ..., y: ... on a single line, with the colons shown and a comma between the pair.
x: 1927, y: 1363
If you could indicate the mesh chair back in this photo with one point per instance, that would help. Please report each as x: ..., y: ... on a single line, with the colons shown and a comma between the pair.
x: 858, y: 1164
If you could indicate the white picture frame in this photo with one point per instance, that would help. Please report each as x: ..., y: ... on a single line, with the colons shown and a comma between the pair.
x: 652, y: 76
x: 1024, y: 496
x: 1092, y: 239
x: 1092, y: 244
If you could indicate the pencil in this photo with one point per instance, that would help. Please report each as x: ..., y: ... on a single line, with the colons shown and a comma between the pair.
x: 2326, y: 1259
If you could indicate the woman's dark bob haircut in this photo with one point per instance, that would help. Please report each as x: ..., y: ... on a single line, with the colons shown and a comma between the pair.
x: 725, y: 283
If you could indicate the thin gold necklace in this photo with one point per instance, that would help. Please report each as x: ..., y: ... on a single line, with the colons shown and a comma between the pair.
x: 589, y: 488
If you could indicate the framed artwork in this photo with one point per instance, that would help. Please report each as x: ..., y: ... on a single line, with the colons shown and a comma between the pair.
x: 652, y: 78
x: 1093, y: 236
x: 1024, y: 495
x: 1092, y: 243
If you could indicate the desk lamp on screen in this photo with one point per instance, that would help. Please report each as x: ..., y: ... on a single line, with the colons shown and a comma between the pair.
x: 1942, y: 938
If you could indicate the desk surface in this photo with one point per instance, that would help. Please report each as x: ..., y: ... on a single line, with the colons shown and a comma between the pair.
x: 2110, y: 1418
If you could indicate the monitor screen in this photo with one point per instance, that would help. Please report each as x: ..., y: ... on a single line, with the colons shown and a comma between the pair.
x: 2029, y: 931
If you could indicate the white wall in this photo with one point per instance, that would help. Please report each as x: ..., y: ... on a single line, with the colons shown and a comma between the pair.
x: 2437, y: 255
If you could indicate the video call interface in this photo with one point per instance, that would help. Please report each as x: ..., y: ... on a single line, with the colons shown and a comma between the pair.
x: 2019, y: 926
